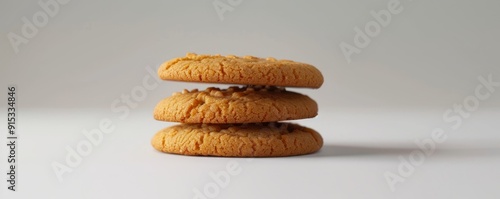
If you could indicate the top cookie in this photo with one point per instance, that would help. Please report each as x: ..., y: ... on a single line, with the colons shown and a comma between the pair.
x: 247, y: 70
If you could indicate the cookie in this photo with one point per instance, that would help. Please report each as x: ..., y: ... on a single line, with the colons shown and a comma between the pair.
x: 238, y: 140
x: 247, y: 70
x: 249, y: 104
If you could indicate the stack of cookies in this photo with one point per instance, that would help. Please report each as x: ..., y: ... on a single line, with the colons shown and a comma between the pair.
x: 238, y: 121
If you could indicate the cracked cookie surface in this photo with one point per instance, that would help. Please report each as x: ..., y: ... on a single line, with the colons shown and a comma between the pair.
x: 247, y: 70
x: 238, y: 140
x: 235, y: 105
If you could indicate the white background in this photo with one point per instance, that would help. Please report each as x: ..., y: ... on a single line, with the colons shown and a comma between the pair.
x: 395, y: 91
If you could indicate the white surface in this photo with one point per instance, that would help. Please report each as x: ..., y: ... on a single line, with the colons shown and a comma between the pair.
x: 394, y: 91
x: 359, y: 148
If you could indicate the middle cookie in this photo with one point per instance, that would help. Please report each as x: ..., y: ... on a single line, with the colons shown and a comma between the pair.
x: 235, y: 105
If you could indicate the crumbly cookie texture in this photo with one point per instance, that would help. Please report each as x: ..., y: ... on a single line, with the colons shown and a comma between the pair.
x: 238, y: 140
x: 249, y: 104
x: 247, y: 70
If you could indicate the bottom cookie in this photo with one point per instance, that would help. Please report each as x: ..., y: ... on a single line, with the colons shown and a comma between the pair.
x: 238, y: 140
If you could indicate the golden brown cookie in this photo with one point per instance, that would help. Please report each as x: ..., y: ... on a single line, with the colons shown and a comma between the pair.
x: 238, y: 140
x: 235, y: 105
x: 245, y: 70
